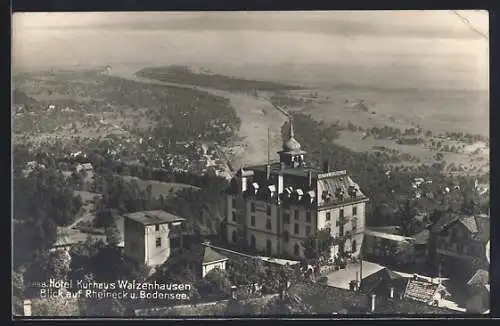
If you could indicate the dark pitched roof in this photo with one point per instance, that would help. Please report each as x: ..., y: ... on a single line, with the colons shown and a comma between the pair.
x: 421, y: 237
x: 480, y: 278
x: 478, y: 225
x: 153, y: 217
x: 327, y: 300
x: 203, y: 254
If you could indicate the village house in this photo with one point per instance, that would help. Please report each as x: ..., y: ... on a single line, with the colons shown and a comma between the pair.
x: 273, y: 207
x: 388, y: 248
x: 478, y: 288
x: 202, y: 258
x: 458, y: 244
x: 151, y: 237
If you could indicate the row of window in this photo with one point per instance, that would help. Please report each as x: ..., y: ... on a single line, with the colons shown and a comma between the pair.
x: 296, y: 248
x: 269, y: 245
x: 341, y: 213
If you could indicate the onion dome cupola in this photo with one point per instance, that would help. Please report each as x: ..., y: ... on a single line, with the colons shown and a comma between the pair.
x: 292, y: 154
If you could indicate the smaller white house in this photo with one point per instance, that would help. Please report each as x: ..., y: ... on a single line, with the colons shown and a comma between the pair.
x: 203, y: 258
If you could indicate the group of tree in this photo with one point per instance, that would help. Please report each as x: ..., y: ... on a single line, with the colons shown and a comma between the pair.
x: 385, y: 192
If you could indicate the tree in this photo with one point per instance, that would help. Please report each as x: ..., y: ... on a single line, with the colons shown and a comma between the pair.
x: 319, y: 245
x: 64, y: 305
x: 59, y: 264
x: 406, y: 219
x: 219, y: 281
x: 113, y: 235
x: 18, y: 289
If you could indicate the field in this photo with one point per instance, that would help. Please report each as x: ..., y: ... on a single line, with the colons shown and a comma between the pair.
x: 158, y: 188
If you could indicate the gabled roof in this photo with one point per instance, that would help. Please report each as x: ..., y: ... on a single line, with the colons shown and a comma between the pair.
x: 211, y: 255
x: 202, y: 254
x: 153, y: 217
x: 480, y: 278
x: 470, y: 223
x: 478, y: 225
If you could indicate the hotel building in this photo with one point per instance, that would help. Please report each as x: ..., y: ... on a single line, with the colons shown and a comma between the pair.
x: 274, y: 207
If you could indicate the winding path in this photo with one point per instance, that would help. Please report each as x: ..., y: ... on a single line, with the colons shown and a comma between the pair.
x: 257, y: 115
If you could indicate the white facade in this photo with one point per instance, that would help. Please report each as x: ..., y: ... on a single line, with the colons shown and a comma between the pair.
x: 286, y: 228
x: 149, y: 244
x: 207, y: 267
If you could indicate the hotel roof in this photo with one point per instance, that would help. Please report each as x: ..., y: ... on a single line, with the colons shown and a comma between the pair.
x: 153, y: 217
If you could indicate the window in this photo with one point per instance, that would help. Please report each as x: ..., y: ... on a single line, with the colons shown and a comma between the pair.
x: 234, y: 216
x: 268, y: 210
x: 354, y: 210
x: 354, y: 246
x: 308, y: 230
x: 296, y: 215
x: 252, y: 220
x: 296, y: 228
x: 252, y: 242
x: 157, y: 227
x: 286, y: 218
x: 337, y: 223
x: 328, y: 216
x: 460, y: 248
x: 308, y: 217
x: 158, y: 242
x: 341, y: 213
x: 286, y: 236
x: 252, y: 207
x: 354, y: 226
x: 234, y: 236
x: 268, y: 224
x: 234, y: 203
x: 296, y: 249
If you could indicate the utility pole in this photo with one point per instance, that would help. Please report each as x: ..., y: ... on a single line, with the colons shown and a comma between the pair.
x: 268, y: 145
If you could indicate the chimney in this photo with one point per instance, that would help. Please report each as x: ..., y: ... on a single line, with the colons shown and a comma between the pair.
x: 391, y: 295
x: 268, y: 171
x: 373, y: 303
x: 326, y: 166
x: 234, y: 295
x: 309, y: 178
x: 27, y: 308
x: 281, y: 186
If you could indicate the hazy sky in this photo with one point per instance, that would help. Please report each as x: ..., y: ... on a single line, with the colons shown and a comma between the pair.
x: 432, y: 47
